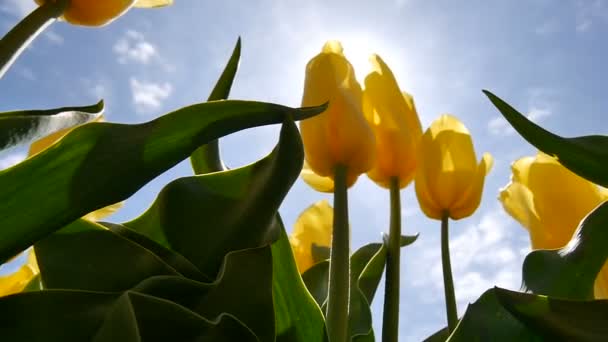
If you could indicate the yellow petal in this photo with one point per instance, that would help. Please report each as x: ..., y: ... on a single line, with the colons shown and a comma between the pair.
x: 17, y: 281
x: 153, y: 3
x: 600, y: 287
x: 103, y: 212
x: 319, y: 183
x: 313, y: 226
x: 393, y: 118
x: 340, y: 135
x: 468, y: 202
x: 446, y: 165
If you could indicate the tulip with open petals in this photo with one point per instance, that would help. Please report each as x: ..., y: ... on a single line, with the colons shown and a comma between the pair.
x: 340, y: 136
x: 312, y: 234
x: 393, y: 118
x: 101, y: 12
x: 550, y: 201
x: 448, y: 178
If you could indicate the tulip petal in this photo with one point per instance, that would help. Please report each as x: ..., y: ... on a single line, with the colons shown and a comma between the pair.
x: 469, y: 202
x: 152, y: 3
x: 600, y: 287
x: 425, y: 199
x: 319, y: 183
x: 313, y: 228
x: 17, y: 281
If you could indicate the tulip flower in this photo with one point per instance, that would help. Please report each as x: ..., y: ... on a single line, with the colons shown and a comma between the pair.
x: 448, y: 179
x: 340, y: 135
x: 339, y: 146
x: 17, y: 281
x: 312, y: 234
x: 394, y: 121
x: 449, y: 183
x: 550, y: 201
x: 102, y: 12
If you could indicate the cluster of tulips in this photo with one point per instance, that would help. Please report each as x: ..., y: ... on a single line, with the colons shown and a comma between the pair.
x: 375, y: 130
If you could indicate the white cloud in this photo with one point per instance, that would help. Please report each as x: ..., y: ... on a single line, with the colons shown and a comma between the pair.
x: 149, y: 96
x: 18, y: 8
x: 133, y: 47
x: 11, y: 159
x: 483, y: 255
x: 500, y: 127
x: 589, y: 12
x: 54, y: 38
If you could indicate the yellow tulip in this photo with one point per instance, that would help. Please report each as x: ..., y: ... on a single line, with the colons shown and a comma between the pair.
x: 550, y: 201
x: 101, y: 12
x: 448, y: 178
x: 17, y: 281
x: 393, y: 118
x: 312, y: 230
x: 340, y: 136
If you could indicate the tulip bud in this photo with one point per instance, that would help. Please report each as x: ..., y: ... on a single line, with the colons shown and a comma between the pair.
x: 340, y: 136
x: 393, y: 118
x: 448, y: 178
x: 311, y: 232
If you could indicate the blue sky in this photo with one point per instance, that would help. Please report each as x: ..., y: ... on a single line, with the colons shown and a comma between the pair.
x: 546, y: 60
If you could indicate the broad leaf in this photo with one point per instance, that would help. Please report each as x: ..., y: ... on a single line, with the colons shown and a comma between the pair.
x: 586, y: 156
x: 204, y: 217
x: 558, y: 319
x: 99, y: 164
x: 207, y: 158
x: 297, y: 317
x: 26, y: 125
x: 570, y: 272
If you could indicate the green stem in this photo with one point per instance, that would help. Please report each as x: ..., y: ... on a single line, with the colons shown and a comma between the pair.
x: 20, y: 36
x: 448, y: 282
x: 390, y: 324
x: 339, y: 266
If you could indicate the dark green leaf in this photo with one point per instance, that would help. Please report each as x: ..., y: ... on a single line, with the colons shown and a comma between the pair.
x: 207, y: 158
x: 570, y: 272
x: 488, y: 320
x: 558, y: 319
x: 84, y: 256
x: 26, y: 125
x: 439, y: 336
x: 99, y: 164
x: 297, y: 316
x: 586, y: 156
x: 204, y: 217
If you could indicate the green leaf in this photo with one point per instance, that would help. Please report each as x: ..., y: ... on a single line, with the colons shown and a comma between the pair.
x: 207, y: 158
x: 74, y: 316
x: 297, y: 316
x: 204, y: 217
x: 26, y: 125
x: 100, y: 164
x: 488, y: 320
x: 367, y: 266
x: 85, y: 256
x: 558, y: 319
x: 586, y: 156
x: 570, y: 272
x: 245, y: 282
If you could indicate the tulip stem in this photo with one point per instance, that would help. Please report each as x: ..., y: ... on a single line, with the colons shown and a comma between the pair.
x: 339, y: 265
x: 20, y: 36
x: 448, y: 282
x: 390, y: 323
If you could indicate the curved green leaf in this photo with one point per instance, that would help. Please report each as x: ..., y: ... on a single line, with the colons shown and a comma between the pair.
x: 297, y: 316
x: 207, y: 158
x: 26, y: 125
x: 99, y: 164
x: 558, y: 319
x: 488, y: 320
x: 570, y: 272
x: 85, y: 256
x: 586, y: 156
x: 205, y: 217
